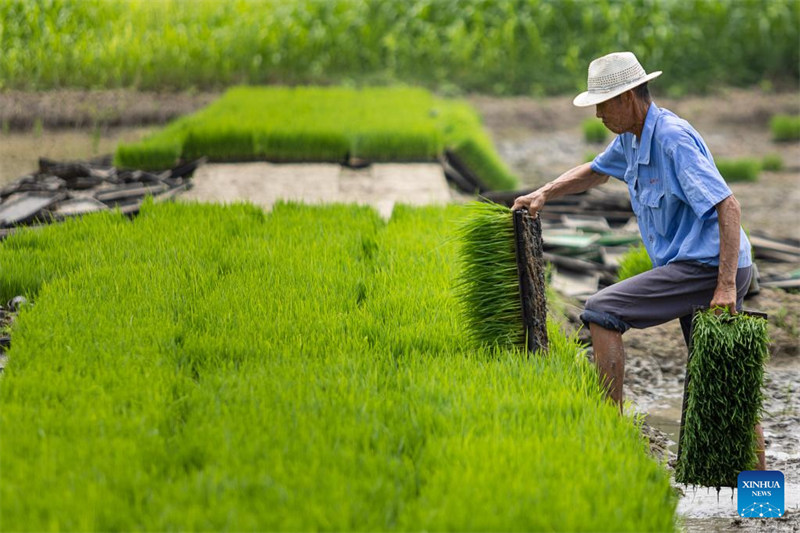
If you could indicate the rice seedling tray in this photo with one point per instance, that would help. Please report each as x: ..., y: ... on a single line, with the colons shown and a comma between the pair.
x: 530, y: 269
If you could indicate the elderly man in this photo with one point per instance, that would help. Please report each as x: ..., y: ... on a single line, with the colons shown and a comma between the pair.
x: 687, y: 215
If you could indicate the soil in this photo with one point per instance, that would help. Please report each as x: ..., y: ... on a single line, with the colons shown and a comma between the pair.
x: 539, y: 139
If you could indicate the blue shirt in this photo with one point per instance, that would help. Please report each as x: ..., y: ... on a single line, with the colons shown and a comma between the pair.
x: 674, y: 187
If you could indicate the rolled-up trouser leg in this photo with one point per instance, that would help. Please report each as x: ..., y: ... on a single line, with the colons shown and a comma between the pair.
x: 658, y: 296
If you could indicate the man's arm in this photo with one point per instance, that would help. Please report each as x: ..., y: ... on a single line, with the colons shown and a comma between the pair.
x: 573, y: 181
x: 729, y: 213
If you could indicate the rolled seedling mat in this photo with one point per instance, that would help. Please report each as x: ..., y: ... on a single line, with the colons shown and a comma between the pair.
x: 530, y: 268
x: 722, y: 397
x: 501, y: 287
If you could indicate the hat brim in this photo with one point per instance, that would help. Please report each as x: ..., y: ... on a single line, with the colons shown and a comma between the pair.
x: 587, y: 98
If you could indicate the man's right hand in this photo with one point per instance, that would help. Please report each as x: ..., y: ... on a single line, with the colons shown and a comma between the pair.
x: 533, y: 202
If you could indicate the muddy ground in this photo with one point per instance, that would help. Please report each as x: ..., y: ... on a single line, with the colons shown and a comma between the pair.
x: 539, y: 139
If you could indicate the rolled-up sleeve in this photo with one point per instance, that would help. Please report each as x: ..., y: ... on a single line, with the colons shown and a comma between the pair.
x: 611, y: 162
x: 697, y: 175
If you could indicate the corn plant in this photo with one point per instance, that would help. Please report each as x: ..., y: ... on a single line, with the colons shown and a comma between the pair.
x: 724, y: 398
x: 495, y: 46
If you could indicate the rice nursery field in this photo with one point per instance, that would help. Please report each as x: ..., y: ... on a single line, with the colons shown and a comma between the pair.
x: 325, y: 124
x: 529, y: 47
x: 209, y: 367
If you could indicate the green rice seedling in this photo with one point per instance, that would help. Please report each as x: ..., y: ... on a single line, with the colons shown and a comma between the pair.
x: 287, y: 145
x: 489, y: 286
x: 785, y: 127
x: 635, y: 261
x: 327, y: 124
x: 594, y: 131
x: 724, y: 398
x: 387, y: 145
x: 466, y: 137
x: 745, y: 169
x: 772, y: 163
x: 219, y: 144
x: 146, y: 155
x: 217, y: 367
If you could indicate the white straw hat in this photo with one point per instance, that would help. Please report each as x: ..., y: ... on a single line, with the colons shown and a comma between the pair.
x: 612, y: 75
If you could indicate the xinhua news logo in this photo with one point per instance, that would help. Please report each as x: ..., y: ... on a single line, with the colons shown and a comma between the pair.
x: 761, y: 494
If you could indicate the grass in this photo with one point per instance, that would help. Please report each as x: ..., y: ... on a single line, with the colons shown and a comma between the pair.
x: 594, y: 131
x: 785, y: 127
x: 726, y: 373
x: 492, y: 46
x: 325, y: 124
x: 218, y: 368
x: 635, y: 261
x: 744, y: 169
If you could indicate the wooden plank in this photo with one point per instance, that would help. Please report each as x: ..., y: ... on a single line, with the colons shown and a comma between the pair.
x: 575, y: 264
x: 77, y: 206
x: 133, y: 191
x: 591, y: 223
x: 26, y: 207
x: 462, y: 168
x: 782, y: 284
x: 773, y: 245
x: 570, y: 240
x: 530, y: 269
x: 612, y: 254
x: 172, y: 193
x: 575, y: 284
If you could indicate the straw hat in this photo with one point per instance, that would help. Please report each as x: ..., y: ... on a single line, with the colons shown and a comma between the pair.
x: 612, y: 75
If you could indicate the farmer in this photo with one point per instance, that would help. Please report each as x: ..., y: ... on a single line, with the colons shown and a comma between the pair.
x: 687, y: 215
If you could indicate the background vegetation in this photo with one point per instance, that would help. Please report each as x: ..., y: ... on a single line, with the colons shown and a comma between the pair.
x: 218, y: 368
x: 491, y: 46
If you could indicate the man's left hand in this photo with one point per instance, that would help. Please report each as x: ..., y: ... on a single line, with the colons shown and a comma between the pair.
x: 725, y: 297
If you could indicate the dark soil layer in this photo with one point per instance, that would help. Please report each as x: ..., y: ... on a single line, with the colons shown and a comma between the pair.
x: 72, y: 108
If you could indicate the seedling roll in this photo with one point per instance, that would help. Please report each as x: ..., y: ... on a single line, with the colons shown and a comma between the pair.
x: 723, y: 400
x: 502, y: 287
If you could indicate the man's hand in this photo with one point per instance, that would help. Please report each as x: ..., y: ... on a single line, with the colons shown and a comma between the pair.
x: 533, y: 202
x: 725, y: 297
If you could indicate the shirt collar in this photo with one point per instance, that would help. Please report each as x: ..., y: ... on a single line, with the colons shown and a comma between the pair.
x: 644, y: 143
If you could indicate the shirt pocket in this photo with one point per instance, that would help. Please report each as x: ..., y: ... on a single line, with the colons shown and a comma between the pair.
x: 651, y: 196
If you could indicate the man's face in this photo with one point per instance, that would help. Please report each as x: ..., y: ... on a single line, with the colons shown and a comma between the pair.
x: 616, y: 114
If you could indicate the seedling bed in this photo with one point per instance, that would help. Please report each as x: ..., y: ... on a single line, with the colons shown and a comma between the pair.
x: 217, y: 367
x: 333, y: 124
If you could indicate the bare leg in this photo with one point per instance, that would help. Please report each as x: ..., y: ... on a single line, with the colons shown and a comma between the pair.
x: 609, y: 356
x: 760, y: 448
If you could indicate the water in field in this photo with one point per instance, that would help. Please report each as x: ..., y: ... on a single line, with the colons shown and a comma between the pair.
x: 20, y: 151
x: 702, y: 509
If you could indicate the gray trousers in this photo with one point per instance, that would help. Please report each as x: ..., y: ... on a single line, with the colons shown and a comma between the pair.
x: 658, y: 296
